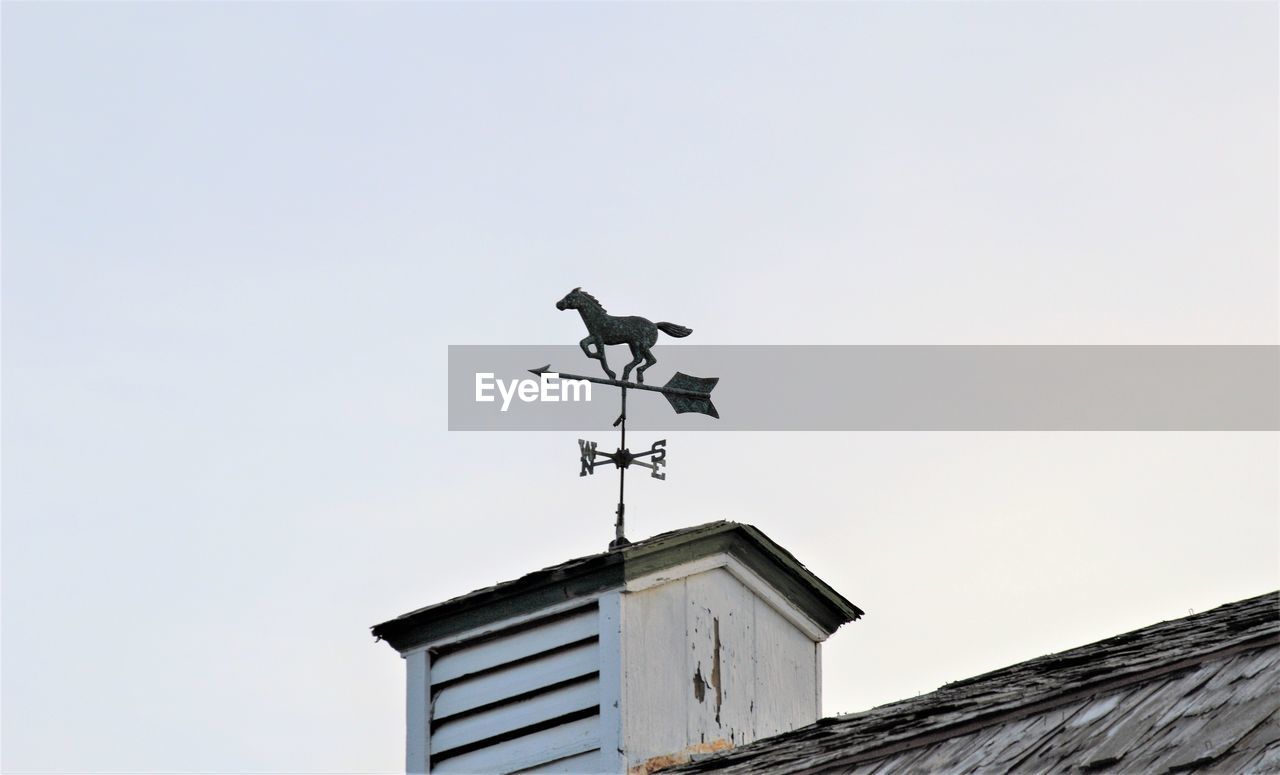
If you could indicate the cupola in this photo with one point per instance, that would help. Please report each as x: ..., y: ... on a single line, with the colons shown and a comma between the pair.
x: 644, y: 656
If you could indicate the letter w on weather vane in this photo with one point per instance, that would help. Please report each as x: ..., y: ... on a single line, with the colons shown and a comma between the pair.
x: 683, y: 392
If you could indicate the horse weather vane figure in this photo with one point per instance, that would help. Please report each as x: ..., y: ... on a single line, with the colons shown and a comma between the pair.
x: 683, y: 392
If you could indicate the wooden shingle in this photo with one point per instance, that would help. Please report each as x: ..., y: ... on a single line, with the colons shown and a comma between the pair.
x: 1200, y: 693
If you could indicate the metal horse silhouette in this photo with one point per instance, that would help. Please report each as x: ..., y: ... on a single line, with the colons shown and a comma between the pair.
x: 604, y: 329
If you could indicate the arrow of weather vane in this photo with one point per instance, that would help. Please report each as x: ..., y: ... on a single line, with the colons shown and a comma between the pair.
x: 684, y: 392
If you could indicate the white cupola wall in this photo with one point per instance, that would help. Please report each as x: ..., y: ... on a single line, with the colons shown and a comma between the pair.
x: 627, y: 661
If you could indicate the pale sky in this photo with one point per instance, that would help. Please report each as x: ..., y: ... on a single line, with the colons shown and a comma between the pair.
x: 238, y: 239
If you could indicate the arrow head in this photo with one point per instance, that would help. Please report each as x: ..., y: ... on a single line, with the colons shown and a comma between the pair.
x: 540, y: 370
x: 700, y: 404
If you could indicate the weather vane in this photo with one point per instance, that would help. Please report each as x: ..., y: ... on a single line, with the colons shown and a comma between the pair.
x: 683, y: 392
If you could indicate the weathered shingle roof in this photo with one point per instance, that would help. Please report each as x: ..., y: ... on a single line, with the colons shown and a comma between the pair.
x: 584, y: 576
x: 1199, y: 693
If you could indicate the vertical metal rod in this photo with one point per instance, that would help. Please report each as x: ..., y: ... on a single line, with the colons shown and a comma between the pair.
x: 619, y: 538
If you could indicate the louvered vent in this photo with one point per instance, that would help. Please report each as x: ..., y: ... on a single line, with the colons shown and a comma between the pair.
x: 521, y: 698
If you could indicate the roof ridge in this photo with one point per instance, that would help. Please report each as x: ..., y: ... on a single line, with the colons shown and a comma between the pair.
x: 1064, y: 658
